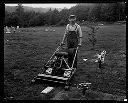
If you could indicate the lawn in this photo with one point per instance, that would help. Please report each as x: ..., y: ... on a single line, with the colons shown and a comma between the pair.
x: 25, y: 53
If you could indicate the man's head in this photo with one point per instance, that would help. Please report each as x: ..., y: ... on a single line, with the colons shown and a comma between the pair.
x: 72, y: 18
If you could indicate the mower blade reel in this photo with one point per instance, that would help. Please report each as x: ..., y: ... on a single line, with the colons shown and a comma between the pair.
x: 51, y: 78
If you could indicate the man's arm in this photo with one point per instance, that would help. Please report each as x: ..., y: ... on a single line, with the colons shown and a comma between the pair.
x: 80, y: 40
x: 65, y: 35
x: 80, y: 35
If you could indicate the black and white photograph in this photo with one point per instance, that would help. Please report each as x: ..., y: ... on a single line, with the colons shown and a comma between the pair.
x: 65, y: 51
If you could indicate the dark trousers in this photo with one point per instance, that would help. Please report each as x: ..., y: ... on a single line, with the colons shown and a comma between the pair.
x: 71, y: 55
x: 72, y: 43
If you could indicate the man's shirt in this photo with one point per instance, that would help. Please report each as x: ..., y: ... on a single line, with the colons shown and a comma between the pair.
x: 74, y: 27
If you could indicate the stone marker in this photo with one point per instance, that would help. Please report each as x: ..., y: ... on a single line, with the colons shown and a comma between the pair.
x: 47, y: 93
x: 7, y: 30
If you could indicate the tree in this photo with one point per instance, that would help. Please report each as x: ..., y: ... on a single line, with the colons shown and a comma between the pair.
x: 27, y: 17
x: 6, y: 19
x: 95, y: 13
x: 55, y: 17
x: 64, y: 14
x: 20, y: 14
x: 120, y: 6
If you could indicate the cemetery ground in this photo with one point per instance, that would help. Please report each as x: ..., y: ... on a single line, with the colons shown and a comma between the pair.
x: 25, y: 53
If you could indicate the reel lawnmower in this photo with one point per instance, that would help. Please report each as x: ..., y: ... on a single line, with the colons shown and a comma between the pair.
x: 57, y: 69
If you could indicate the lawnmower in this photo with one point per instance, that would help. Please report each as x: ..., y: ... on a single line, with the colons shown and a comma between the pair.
x: 57, y: 69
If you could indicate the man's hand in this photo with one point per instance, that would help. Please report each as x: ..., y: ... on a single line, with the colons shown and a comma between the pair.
x: 79, y: 45
x: 61, y: 44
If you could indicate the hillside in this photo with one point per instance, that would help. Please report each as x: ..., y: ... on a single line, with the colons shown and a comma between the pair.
x: 26, y: 8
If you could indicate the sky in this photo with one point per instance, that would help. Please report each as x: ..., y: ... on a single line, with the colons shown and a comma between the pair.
x: 59, y: 5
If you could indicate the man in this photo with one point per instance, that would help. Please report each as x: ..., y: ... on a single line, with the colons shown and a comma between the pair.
x: 73, y: 34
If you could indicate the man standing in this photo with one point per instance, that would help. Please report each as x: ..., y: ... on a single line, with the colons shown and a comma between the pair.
x: 73, y: 34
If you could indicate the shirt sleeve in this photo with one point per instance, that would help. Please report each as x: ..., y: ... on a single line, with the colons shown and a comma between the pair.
x: 66, y: 30
x: 79, y: 31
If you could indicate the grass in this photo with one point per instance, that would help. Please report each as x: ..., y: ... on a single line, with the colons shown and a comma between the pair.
x: 25, y: 53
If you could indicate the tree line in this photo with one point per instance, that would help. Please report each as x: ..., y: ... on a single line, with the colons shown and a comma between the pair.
x: 107, y: 12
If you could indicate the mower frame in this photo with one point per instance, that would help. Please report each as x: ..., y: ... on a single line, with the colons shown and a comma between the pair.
x: 58, y: 79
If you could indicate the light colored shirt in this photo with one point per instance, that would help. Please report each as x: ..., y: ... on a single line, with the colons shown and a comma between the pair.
x: 75, y: 27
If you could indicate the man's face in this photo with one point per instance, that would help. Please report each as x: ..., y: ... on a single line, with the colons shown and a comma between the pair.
x: 72, y: 21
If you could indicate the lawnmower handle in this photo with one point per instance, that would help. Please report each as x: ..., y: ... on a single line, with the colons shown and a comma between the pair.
x: 75, y: 56
x: 61, y: 44
x: 54, y: 53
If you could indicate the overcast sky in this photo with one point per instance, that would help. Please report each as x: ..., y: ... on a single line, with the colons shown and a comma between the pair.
x: 59, y: 5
